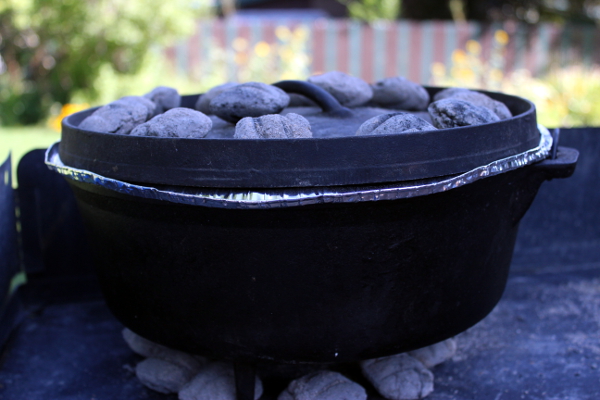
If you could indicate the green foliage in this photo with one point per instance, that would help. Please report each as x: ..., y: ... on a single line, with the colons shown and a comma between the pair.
x: 52, y: 48
x: 154, y: 71
x: 21, y: 140
x: 566, y: 97
x: 284, y: 59
x: 373, y: 10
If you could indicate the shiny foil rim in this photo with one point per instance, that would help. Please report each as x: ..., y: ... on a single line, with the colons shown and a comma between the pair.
x: 293, y: 197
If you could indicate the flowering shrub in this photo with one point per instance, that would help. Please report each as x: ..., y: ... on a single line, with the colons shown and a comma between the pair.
x: 564, y: 97
x: 264, y: 62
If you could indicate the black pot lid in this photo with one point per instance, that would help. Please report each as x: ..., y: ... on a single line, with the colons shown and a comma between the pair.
x: 325, y: 160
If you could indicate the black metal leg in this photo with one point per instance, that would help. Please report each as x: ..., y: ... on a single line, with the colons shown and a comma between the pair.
x: 245, y: 377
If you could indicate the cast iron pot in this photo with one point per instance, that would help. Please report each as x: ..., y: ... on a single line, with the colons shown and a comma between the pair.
x: 321, y: 283
x: 318, y: 283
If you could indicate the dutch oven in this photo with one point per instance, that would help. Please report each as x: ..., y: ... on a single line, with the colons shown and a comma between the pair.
x: 396, y: 242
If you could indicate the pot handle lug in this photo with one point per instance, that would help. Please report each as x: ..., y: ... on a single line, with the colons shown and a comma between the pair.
x: 324, y: 99
x: 562, y: 166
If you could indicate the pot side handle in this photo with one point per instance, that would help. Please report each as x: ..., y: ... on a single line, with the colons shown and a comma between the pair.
x: 562, y: 166
x: 324, y: 99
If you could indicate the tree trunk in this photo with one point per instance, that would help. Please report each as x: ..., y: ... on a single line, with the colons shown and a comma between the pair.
x: 426, y: 9
x: 484, y: 10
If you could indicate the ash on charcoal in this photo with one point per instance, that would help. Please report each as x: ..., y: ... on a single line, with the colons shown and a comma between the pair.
x: 251, y: 99
x: 203, y: 102
x: 394, y: 123
x: 177, y: 122
x: 447, y: 93
x: 349, y: 90
x: 164, y: 98
x: 479, y: 99
x: 400, y: 93
x: 120, y: 116
x: 215, y: 382
x: 276, y: 126
x: 163, y: 376
x: 147, y: 348
x: 398, y: 377
x: 150, y: 106
x: 323, y: 385
x: 452, y: 113
x: 435, y: 354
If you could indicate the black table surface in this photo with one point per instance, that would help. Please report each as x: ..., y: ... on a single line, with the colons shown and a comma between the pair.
x: 542, y: 341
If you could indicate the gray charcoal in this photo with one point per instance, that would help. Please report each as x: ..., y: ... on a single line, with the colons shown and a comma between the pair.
x: 394, y: 123
x: 164, y: 98
x: 424, y: 115
x: 398, y: 377
x: 275, y: 126
x: 452, y: 113
x: 251, y: 99
x: 120, y: 116
x: 399, y: 93
x: 150, y: 106
x: 162, y: 376
x: 482, y: 100
x: 215, y: 382
x: 147, y: 348
x: 323, y: 385
x: 349, y: 90
x: 477, y: 98
x: 447, y: 93
x: 435, y: 354
x: 177, y: 122
x: 203, y: 102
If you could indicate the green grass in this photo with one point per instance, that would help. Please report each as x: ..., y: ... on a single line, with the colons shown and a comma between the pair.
x: 20, y: 140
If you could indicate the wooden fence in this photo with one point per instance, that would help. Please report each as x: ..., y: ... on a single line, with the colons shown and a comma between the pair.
x: 399, y: 48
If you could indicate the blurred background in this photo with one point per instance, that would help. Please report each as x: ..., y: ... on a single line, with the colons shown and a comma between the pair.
x: 61, y: 56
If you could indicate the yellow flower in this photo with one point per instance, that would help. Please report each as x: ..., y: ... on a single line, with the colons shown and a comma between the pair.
x: 241, y: 58
x: 70, y: 108
x: 501, y: 37
x: 496, y: 75
x: 288, y: 75
x: 239, y: 44
x: 473, y: 47
x: 283, y: 33
x: 65, y: 111
x: 459, y: 56
x: 301, y: 33
x: 438, y: 69
x: 287, y: 54
x: 465, y: 74
x: 262, y: 49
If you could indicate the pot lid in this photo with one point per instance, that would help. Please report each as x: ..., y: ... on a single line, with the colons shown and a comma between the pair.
x: 291, y: 197
x: 327, y: 159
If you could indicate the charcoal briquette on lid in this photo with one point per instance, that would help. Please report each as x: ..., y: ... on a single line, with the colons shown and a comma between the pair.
x: 251, y: 99
x: 386, y: 118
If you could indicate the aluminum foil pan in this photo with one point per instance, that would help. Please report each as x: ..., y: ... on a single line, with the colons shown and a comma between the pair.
x: 292, y: 197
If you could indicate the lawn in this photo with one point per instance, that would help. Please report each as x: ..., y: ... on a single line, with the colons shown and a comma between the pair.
x: 21, y: 140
